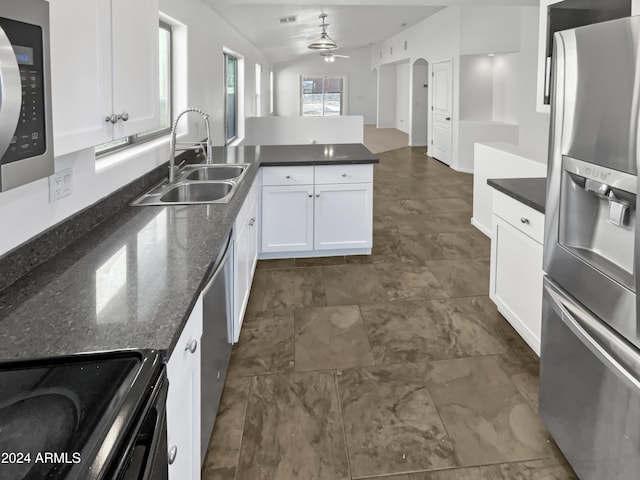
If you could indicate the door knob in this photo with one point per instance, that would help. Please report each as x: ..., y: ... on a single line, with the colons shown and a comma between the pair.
x: 173, y: 453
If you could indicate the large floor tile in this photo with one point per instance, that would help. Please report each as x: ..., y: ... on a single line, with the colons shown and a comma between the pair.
x: 224, y: 447
x: 329, y: 338
x: 352, y: 285
x: 296, y: 287
x: 265, y: 345
x: 485, y: 415
x: 409, y: 282
x: 293, y: 429
x: 422, y: 331
x: 466, y: 245
x: 382, y: 252
x: 546, y: 469
x: 391, y: 423
x: 450, y: 205
x: 463, y: 277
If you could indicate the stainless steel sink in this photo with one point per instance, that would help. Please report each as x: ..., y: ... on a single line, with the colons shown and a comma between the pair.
x: 197, y: 192
x: 214, y: 172
x: 197, y: 184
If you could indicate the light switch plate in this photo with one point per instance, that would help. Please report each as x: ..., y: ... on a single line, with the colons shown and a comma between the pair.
x: 60, y: 185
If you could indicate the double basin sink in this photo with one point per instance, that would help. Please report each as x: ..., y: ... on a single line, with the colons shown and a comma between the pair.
x: 196, y: 184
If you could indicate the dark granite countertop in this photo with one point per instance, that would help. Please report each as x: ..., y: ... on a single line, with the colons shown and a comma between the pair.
x: 132, y: 281
x: 530, y: 191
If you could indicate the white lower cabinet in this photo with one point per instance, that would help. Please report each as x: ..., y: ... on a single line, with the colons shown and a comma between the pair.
x: 331, y: 216
x: 516, y: 266
x: 343, y: 216
x: 183, y: 400
x: 287, y: 218
x: 245, y: 256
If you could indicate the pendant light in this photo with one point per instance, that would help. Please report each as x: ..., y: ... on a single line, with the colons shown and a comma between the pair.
x: 325, y: 42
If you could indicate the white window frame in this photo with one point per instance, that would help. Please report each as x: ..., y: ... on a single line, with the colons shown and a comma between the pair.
x: 345, y: 87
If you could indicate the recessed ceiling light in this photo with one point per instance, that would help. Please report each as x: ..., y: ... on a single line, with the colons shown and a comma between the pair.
x: 491, y: 54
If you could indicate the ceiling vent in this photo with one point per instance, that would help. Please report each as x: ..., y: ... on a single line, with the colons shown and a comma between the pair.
x: 289, y: 19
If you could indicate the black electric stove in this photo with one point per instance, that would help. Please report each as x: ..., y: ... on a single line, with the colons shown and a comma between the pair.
x: 89, y: 416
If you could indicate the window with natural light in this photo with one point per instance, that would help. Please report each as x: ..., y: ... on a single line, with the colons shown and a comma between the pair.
x: 258, y: 89
x: 165, y: 47
x: 322, y: 96
x: 271, y: 91
x: 231, y: 97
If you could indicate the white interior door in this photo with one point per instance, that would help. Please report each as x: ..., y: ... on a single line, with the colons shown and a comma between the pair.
x: 442, y: 106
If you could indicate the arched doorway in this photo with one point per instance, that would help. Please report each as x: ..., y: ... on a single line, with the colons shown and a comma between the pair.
x: 420, y: 104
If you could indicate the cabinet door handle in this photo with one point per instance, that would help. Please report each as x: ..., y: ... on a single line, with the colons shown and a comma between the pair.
x: 218, y: 376
x: 287, y: 177
x: 310, y: 195
x: 192, y: 346
x: 252, y: 222
x: 525, y: 220
x: 124, y: 117
x: 344, y: 175
x: 317, y: 195
x: 173, y: 453
x: 113, y: 118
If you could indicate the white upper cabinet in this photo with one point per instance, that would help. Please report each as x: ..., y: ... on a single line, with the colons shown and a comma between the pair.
x: 135, y: 65
x: 104, y: 61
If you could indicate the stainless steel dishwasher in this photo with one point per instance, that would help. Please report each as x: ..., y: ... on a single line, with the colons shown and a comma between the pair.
x: 216, y: 341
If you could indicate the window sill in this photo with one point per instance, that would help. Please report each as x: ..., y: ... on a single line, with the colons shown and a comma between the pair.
x: 110, y: 160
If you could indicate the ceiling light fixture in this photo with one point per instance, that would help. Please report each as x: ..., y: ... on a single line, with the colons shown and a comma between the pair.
x: 325, y: 42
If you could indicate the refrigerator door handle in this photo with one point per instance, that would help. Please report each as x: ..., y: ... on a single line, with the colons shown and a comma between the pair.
x: 10, y: 92
x: 618, y: 356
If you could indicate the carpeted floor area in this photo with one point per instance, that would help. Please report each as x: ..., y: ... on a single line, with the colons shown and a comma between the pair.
x: 384, y: 139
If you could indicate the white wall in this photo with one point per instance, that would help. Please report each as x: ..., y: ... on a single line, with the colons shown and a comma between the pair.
x: 26, y: 211
x: 386, y: 92
x: 534, y: 126
x: 476, y: 87
x: 304, y: 130
x: 435, y: 39
x: 403, y: 99
x: 456, y: 31
x: 361, y: 82
x: 506, y: 89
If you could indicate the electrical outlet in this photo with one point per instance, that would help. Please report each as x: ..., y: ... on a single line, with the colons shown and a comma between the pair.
x: 60, y: 185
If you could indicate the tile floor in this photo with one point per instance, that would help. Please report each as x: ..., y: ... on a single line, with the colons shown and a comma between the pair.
x: 395, y: 366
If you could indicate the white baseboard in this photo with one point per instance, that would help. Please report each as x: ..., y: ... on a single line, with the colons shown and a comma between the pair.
x: 481, y: 227
x: 316, y: 253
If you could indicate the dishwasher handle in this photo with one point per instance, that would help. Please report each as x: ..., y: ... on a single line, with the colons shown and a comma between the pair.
x: 611, y: 350
x: 220, y: 265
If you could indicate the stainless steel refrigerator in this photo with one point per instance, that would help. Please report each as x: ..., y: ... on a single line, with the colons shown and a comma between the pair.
x: 590, y: 354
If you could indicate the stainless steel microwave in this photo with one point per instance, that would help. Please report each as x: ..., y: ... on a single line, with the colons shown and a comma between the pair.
x: 26, y: 143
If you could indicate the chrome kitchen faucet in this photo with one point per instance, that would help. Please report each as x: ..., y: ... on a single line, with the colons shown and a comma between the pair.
x: 191, y: 146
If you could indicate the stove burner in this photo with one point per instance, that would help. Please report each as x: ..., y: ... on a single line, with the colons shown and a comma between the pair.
x: 39, y: 423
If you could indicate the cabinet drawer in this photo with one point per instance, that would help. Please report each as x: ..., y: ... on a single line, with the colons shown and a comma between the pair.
x: 326, y: 174
x: 524, y: 218
x: 287, y: 175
